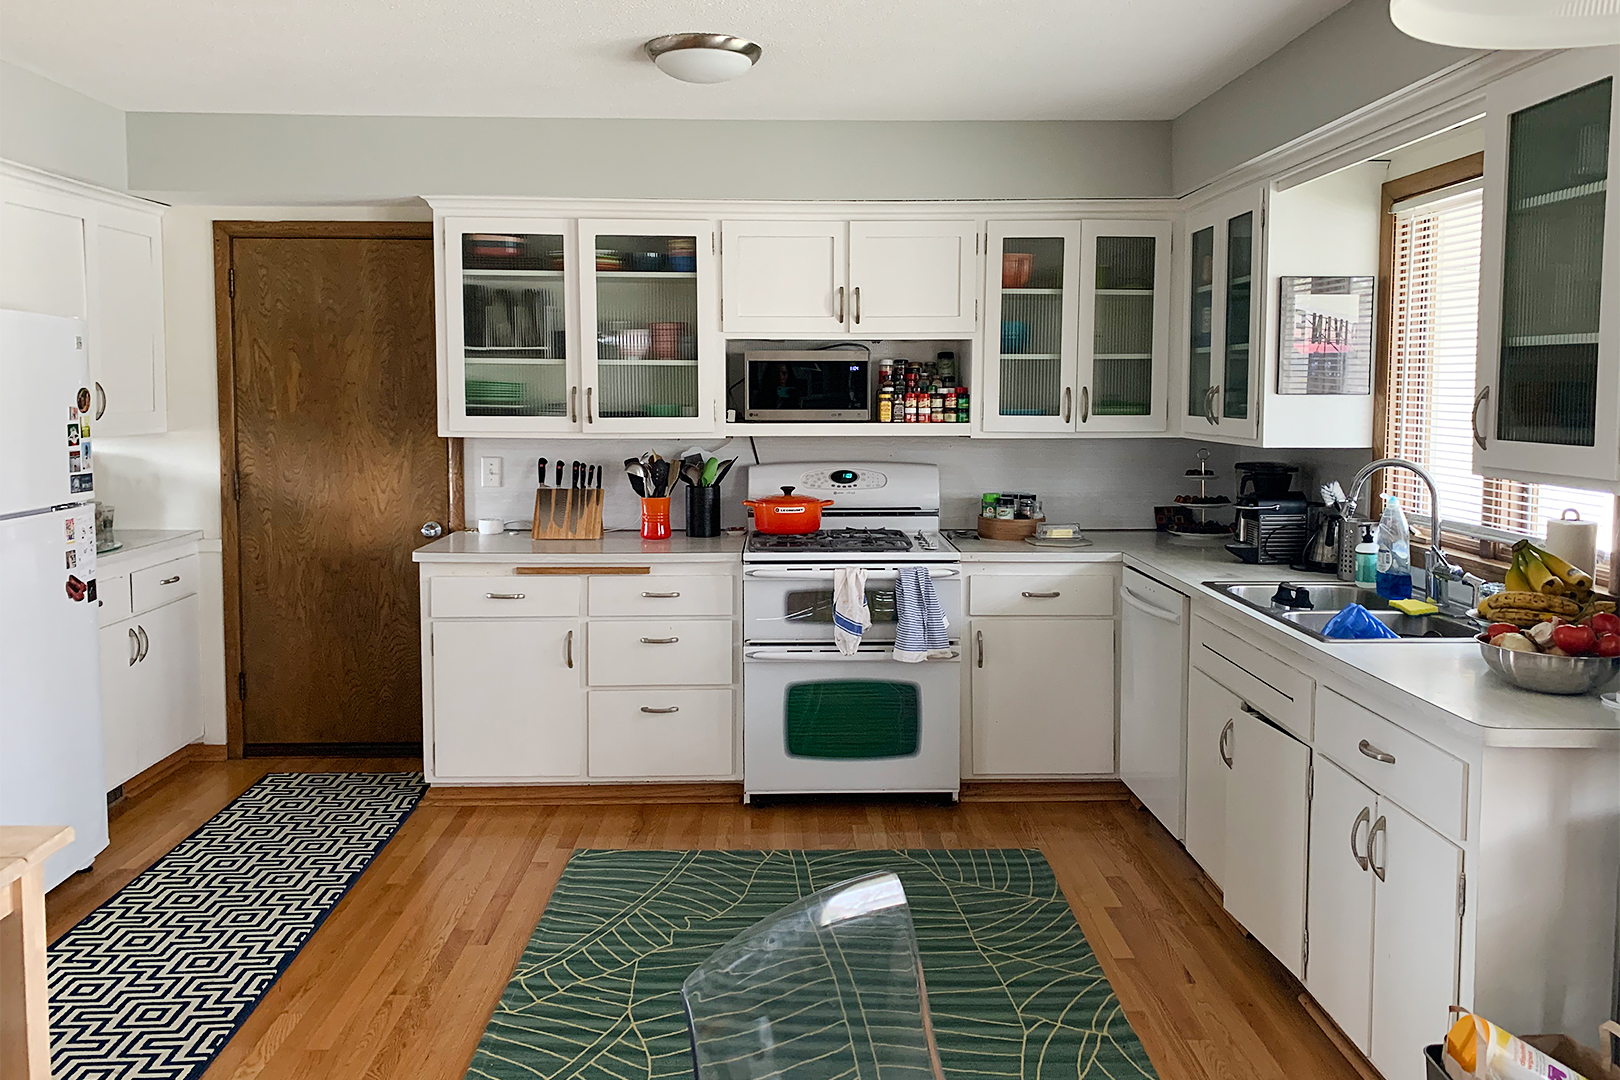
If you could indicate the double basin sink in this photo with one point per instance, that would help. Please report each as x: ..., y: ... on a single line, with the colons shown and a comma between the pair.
x: 1307, y: 607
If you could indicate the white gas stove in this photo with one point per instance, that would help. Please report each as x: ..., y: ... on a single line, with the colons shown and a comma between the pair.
x: 883, y: 513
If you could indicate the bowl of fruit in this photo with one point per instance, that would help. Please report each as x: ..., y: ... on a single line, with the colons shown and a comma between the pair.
x: 1548, y: 632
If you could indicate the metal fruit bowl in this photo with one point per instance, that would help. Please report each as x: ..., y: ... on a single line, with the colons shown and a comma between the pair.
x: 1546, y: 674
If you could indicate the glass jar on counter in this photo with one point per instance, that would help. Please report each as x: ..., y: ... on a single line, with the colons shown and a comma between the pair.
x: 1006, y: 507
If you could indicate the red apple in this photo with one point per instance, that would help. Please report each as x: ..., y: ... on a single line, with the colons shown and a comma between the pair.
x: 1608, y: 645
x: 1575, y: 640
x: 1605, y: 622
x: 1497, y: 628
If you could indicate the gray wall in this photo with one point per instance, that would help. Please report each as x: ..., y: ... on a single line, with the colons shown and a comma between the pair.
x: 1349, y: 60
x: 222, y: 158
x: 48, y: 126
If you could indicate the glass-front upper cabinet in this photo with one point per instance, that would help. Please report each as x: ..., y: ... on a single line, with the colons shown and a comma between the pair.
x: 1222, y: 344
x: 511, y: 347
x: 1548, y: 393
x: 646, y: 293
x: 1124, y: 338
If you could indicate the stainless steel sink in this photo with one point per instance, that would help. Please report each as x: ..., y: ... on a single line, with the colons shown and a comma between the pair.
x: 1307, y: 607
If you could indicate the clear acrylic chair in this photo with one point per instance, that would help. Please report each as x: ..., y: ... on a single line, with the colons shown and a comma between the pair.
x: 829, y: 986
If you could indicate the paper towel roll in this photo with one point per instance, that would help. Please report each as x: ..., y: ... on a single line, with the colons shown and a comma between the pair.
x: 1573, y: 540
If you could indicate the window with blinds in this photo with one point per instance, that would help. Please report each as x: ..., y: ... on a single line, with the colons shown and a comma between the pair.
x: 1434, y: 335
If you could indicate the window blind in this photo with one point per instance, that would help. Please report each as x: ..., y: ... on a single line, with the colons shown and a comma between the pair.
x: 1434, y: 338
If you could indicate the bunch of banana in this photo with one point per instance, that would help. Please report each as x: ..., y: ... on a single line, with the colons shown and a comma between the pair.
x: 1525, y: 607
x: 1537, y: 570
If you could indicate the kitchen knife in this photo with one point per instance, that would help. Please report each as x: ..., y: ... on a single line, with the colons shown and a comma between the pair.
x: 573, y: 478
x: 543, y: 472
x: 559, y: 472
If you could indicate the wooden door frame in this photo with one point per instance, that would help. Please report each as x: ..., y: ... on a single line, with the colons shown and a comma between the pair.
x: 225, y: 343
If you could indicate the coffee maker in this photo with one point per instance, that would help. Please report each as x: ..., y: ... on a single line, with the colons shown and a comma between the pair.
x: 1273, y: 521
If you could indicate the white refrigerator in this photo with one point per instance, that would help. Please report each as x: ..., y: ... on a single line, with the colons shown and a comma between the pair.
x: 51, y: 766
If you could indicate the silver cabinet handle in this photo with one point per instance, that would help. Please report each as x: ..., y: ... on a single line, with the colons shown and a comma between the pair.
x: 101, y: 402
x: 1473, y: 416
x: 568, y: 647
x: 659, y: 640
x: 146, y: 642
x: 1220, y: 745
x: 840, y: 303
x: 134, y: 647
x: 660, y: 712
x: 978, y: 642
x: 1068, y: 399
x: 1369, y: 750
x: 1355, y: 827
x: 1209, y: 404
x: 589, y: 419
x: 432, y: 530
x: 1379, y: 826
x: 857, y: 299
x: 170, y: 580
x: 1085, y: 404
x: 573, y: 404
x: 1042, y: 595
x: 505, y: 596
x: 660, y: 595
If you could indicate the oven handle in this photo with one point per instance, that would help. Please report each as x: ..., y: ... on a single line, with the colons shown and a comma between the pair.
x: 827, y: 575
x: 865, y: 656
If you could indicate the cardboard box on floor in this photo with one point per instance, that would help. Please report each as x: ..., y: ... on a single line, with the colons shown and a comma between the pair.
x: 1590, y: 1063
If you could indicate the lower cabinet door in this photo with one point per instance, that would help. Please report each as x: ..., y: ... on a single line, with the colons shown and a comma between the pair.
x: 1267, y: 811
x: 1043, y: 696
x: 640, y: 734
x: 508, y: 699
x: 174, y: 667
x: 1210, y: 709
x: 121, y: 708
x: 1416, y: 923
x: 1338, y: 969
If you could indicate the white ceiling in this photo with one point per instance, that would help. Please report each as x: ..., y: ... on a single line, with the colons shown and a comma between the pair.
x: 824, y: 59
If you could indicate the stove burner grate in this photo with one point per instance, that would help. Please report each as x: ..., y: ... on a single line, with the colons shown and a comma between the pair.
x: 833, y: 540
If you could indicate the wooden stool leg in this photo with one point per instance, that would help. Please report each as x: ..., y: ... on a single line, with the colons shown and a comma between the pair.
x: 25, y: 1047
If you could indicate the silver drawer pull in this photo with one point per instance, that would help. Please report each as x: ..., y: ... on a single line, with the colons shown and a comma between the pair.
x: 170, y: 580
x: 1369, y: 750
x: 660, y: 595
x: 666, y: 709
x: 659, y: 640
x: 505, y: 595
x: 1042, y: 595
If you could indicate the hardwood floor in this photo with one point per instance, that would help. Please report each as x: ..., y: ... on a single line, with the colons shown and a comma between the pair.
x: 399, y: 981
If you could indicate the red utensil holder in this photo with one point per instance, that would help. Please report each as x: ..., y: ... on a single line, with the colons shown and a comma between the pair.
x: 655, y: 519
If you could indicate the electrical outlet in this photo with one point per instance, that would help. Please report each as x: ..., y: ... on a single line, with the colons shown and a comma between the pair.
x: 489, y: 472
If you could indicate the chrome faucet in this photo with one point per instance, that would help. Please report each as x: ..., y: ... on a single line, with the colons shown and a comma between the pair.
x: 1440, y: 570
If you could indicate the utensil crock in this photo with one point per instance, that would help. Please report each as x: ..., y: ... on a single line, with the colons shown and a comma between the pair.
x: 655, y: 519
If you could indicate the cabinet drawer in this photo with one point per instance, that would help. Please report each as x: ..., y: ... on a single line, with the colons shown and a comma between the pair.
x: 1279, y: 692
x: 636, y: 734
x: 648, y: 653
x: 661, y: 596
x: 164, y: 582
x: 112, y: 599
x: 504, y: 597
x: 1425, y: 779
x: 1068, y: 592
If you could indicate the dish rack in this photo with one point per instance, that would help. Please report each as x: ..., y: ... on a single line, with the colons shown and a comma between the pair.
x: 567, y: 514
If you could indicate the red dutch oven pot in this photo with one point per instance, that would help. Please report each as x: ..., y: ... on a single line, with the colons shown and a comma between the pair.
x: 787, y: 512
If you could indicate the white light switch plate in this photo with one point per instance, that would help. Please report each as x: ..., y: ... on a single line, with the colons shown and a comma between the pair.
x: 490, y: 472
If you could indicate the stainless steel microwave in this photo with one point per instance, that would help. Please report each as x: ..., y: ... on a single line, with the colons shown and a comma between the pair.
x: 826, y: 385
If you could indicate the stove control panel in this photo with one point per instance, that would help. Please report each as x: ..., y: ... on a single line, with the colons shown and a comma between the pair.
x: 843, y: 479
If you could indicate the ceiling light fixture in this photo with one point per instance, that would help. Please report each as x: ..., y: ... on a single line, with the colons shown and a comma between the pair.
x: 703, y: 58
x: 1509, y: 24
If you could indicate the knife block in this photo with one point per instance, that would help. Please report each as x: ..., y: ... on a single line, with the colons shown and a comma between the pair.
x: 567, y: 514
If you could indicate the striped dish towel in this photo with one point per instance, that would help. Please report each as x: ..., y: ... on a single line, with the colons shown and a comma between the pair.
x: 850, y: 614
x: 920, y: 628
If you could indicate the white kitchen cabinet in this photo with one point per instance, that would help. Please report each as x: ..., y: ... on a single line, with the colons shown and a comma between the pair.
x: 1547, y: 405
x: 1042, y: 696
x: 508, y: 699
x: 1123, y: 366
x: 123, y: 710
x: 1338, y: 970
x: 785, y: 277
x: 1221, y: 372
x: 72, y: 249
x: 1267, y: 810
x: 1210, y: 711
x: 151, y: 687
x: 913, y: 277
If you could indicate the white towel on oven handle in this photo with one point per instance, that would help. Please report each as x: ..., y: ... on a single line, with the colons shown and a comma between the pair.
x: 920, y: 626
x: 850, y: 614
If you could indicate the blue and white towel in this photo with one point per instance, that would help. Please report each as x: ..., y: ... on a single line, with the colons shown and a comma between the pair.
x: 850, y: 614
x: 921, y: 629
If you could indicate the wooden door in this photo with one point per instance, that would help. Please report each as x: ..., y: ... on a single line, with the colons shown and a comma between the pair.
x: 1043, y: 696
x: 910, y: 277
x: 508, y: 699
x: 1267, y: 811
x: 784, y: 277
x: 1338, y: 971
x: 1210, y: 708
x: 330, y: 396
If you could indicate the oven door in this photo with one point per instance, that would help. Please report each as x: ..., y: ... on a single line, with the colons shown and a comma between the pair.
x: 819, y: 722
x: 795, y: 603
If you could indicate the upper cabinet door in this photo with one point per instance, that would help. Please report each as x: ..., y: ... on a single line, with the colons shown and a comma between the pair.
x: 1124, y: 333
x: 1223, y: 317
x: 511, y: 344
x: 42, y: 259
x: 1548, y: 393
x: 1031, y: 331
x: 654, y: 365
x: 913, y: 277
x: 126, y: 322
x: 787, y: 277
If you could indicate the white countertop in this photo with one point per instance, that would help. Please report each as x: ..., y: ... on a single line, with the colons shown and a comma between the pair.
x: 614, y: 549
x: 132, y: 541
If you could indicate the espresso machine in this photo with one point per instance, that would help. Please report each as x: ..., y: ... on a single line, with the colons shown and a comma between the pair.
x: 1273, y: 521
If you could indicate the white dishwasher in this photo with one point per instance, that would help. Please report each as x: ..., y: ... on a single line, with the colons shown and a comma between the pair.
x: 1153, y: 697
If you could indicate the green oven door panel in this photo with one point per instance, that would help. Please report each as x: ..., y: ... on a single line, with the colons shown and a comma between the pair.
x: 852, y: 719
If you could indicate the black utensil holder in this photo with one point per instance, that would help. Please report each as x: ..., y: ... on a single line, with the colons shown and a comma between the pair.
x: 702, y: 511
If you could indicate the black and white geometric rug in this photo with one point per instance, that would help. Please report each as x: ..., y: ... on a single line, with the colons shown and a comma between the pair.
x: 154, y: 982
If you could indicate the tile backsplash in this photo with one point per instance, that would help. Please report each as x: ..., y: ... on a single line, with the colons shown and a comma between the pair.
x: 1100, y: 483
